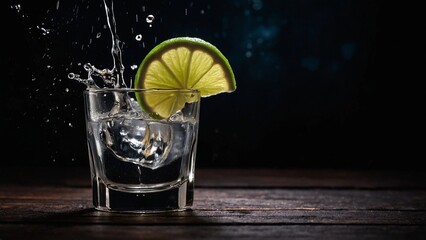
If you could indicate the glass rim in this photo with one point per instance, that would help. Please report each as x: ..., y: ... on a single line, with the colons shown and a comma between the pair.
x: 105, y: 90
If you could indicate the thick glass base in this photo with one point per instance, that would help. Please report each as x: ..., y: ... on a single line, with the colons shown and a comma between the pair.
x: 107, y: 199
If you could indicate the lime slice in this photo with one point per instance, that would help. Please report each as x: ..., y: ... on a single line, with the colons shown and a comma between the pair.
x: 182, y: 63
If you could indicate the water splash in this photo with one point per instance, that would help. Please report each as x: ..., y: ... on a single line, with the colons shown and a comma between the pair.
x: 118, y: 69
x: 103, y: 77
x: 106, y: 78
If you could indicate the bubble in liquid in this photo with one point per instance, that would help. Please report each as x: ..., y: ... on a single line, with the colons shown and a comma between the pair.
x: 138, y: 37
x: 98, y: 35
x: 149, y: 19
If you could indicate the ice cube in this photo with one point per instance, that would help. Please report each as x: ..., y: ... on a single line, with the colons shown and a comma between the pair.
x: 137, y: 141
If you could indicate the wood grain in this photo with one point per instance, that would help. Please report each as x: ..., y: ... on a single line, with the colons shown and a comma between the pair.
x: 113, y: 232
x: 229, y: 203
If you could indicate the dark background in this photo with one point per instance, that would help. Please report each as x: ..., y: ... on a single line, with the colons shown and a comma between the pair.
x: 320, y: 84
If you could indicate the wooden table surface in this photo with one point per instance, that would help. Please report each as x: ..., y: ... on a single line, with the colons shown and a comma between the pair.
x: 55, y: 203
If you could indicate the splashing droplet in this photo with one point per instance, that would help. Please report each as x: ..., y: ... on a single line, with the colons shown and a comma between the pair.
x: 149, y: 19
x: 71, y: 75
x: 17, y: 7
x: 138, y: 37
x: 134, y: 66
x: 98, y: 35
x: 45, y: 31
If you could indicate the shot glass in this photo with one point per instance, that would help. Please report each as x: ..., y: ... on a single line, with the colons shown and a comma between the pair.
x: 140, y: 162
